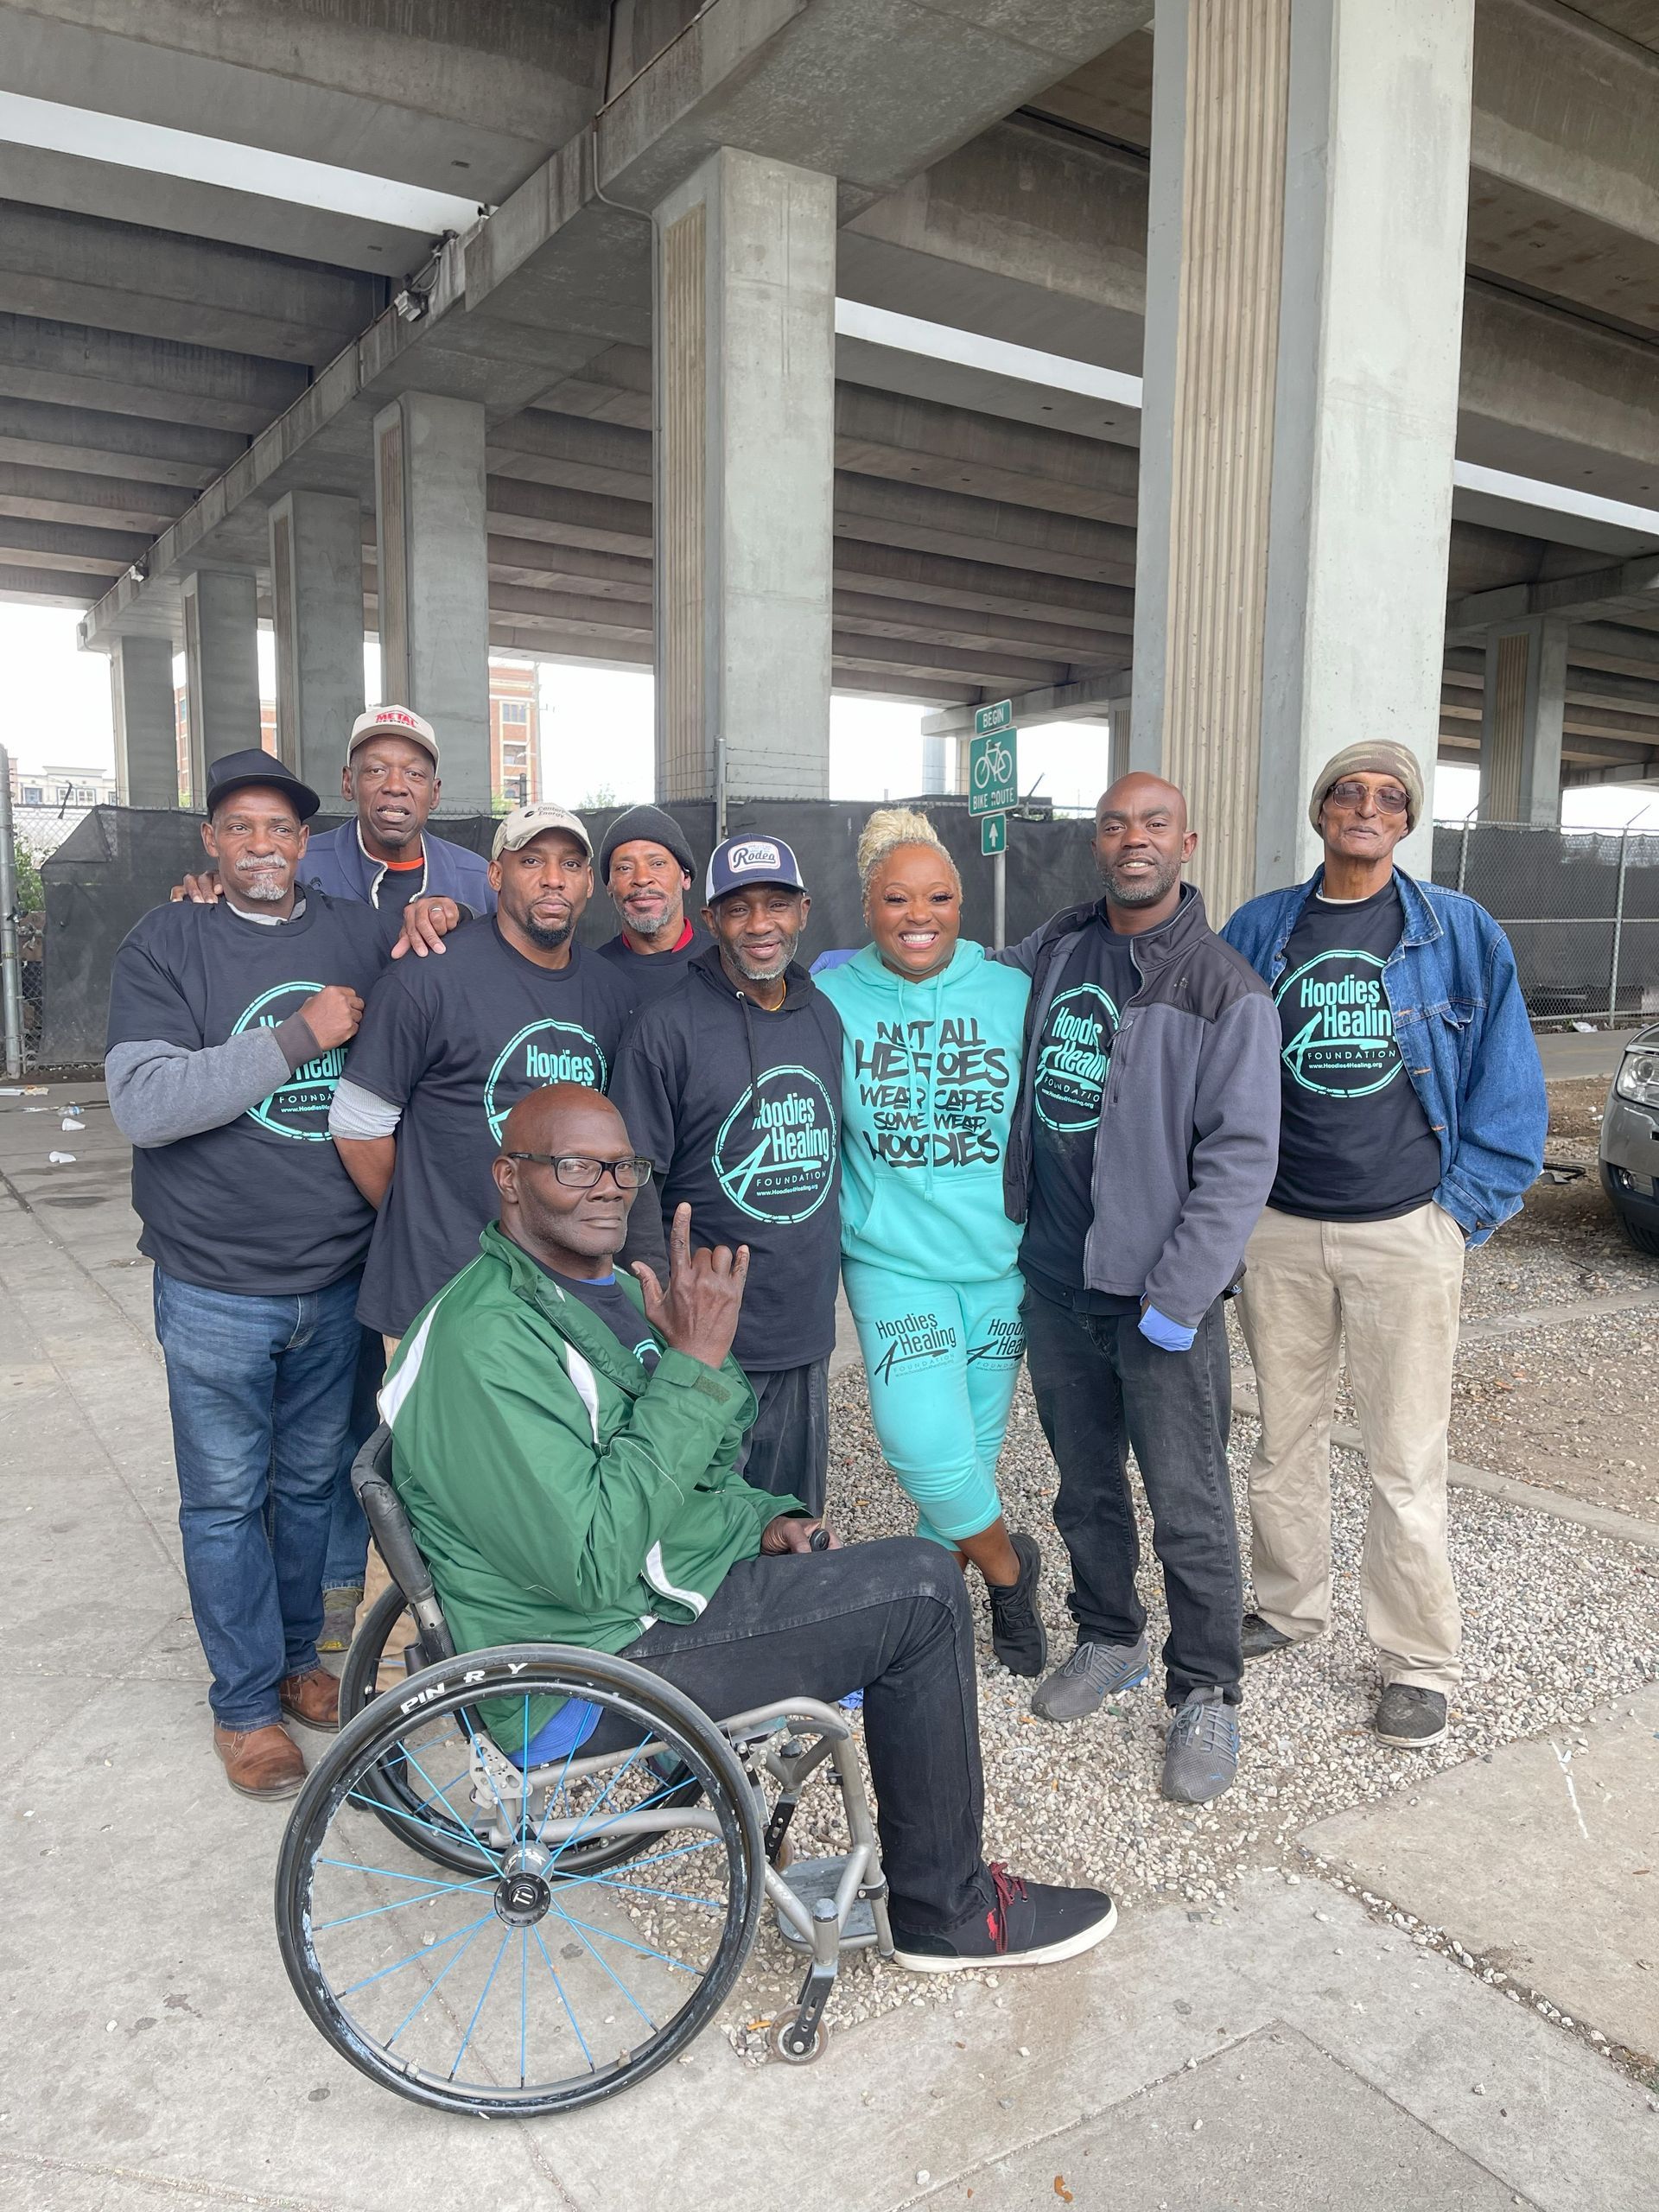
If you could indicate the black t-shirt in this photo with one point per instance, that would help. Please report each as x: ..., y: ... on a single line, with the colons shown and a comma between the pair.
x: 1354, y: 1142
x: 740, y: 1108
x: 646, y: 976
x: 397, y: 887
x: 456, y: 1040
x: 611, y: 1304
x: 1097, y: 980
x: 261, y: 1205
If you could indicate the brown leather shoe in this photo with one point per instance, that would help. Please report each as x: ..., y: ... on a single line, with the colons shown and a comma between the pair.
x: 312, y: 1697
x: 260, y: 1762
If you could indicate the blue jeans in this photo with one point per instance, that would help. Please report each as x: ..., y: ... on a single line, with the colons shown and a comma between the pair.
x: 260, y: 1390
x: 348, y: 1555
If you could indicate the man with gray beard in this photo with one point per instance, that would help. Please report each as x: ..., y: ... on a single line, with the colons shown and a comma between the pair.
x: 729, y: 1083
x: 1143, y: 1150
x: 228, y: 1024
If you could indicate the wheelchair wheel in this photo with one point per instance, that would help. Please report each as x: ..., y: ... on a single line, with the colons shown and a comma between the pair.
x: 399, y: 1796
x: 535, y: 1979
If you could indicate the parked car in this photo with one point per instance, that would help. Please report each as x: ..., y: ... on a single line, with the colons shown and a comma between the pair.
x: 1630, y: 1141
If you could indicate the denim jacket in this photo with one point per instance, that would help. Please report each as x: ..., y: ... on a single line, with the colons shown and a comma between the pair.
x: 1461, y: 1025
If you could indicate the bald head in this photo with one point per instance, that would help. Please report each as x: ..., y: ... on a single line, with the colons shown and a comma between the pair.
x: 562, y: 1117
x: 1140, y: 789
x: 570, y: 1228
x: 1142, y: 844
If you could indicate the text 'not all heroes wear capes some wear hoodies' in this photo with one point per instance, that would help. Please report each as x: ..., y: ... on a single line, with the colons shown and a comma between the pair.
x: 931, y: 1070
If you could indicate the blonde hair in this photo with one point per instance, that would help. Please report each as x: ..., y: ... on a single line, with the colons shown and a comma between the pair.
x: 889, y: 828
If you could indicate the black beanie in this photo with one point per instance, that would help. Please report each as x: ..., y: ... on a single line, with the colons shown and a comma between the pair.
x: 649, y: 825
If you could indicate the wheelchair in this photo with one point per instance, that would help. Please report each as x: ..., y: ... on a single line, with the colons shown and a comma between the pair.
x: 489, y: 1926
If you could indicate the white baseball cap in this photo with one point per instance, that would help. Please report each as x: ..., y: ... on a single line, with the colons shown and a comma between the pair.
x: 527, y: 822
x: 394, y: 722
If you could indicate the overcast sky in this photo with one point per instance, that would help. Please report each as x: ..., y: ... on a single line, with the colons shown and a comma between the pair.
x: 55, y: 709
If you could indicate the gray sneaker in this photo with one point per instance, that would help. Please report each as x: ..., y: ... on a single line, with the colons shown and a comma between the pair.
x: 1201, y: 1754
x: 1410, y: 1717
x: 1092, y: 1673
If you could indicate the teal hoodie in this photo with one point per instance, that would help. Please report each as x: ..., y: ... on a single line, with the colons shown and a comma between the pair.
x: 930, y: 1072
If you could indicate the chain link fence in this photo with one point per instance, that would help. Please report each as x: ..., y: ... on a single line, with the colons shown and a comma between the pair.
x: 37, y: 831
x: 1580, y: 907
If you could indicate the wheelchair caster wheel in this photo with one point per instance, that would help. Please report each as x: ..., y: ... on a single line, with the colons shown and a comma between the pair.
x: 788, y: 2040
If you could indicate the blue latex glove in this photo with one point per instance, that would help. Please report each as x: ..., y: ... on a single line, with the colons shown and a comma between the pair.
x: 1169, y: 1335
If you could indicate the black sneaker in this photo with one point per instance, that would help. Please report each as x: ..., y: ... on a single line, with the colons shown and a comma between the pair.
x: 1258, y: 1637
x: 1030, y: 1924
x: 1017, y: 1633
x: 1410, y: 1717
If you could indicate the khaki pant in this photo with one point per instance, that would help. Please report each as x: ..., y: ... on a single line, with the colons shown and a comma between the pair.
x: 1391, y: 1289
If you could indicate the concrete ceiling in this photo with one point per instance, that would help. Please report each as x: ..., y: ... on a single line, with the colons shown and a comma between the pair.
x: 159, y: 332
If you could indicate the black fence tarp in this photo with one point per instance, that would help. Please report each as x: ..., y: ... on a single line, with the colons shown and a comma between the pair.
x: 121, y: 861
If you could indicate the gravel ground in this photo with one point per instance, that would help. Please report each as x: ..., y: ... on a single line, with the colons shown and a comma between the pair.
x: 1557, y: 1622
x: 1570, y: 1409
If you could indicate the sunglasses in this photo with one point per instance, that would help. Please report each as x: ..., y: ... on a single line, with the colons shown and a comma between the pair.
x: 1390, y: 798
x: 578, y: 1173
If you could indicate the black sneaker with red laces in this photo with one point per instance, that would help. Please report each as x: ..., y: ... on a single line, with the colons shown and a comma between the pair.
x: 1028, y: 1924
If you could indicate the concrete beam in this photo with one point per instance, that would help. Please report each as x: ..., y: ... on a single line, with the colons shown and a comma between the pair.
x: 1592, y: 595
x: 116, y: 372
x: 1059, y: 703
x: 878, y: 684
x: 70, y: 545
x: 51, y: 586
x: 1615, y: 646
x: 953, y: 449
x: 987, y: 586
x: 1546, y: 394
x: 464, y: 96
x: 117, y: 276
x: 72, y: 495
x: 98, y: 443
x: 983, y: 530
x: 997, y: 673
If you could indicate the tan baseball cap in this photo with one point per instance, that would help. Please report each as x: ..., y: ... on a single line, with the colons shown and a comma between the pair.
x: 527, y: 822
x: 394, y: 722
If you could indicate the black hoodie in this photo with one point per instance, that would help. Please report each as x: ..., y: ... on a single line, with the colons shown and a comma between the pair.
x: 739, y: 1110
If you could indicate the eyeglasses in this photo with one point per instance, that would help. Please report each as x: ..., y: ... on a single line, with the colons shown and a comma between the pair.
x: 578, y: 1173
x: 1390, y: 798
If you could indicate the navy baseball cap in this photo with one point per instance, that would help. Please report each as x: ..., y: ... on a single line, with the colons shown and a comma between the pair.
x: 233, y: 772
x: 749, y: 859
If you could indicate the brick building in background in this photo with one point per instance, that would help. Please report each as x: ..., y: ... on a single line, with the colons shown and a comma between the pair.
x: 515, y: 735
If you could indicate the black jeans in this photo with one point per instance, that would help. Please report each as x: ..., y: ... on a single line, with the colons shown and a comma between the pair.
x: 787, y: 1449
x: 889, y: 1619
x: 1101, y: 1389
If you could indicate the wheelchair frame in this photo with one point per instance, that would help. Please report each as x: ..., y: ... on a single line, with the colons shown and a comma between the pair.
x: 783, y: 1743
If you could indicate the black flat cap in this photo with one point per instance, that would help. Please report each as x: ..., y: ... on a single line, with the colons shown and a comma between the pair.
x: 235, y: 770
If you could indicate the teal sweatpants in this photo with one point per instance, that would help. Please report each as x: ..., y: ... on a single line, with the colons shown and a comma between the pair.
x: 941, y: 1361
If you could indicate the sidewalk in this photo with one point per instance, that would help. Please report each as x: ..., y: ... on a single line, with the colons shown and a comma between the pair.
x: 1290, y: 2050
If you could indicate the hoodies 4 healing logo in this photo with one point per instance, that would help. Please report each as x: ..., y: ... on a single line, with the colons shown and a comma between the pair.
x: 298, y: 1108
x: 775, y: 1155
x: 541, y: 1052
x: 1341, y: 1031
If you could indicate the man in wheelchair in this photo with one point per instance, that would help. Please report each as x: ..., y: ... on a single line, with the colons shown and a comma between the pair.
x: 562, y: 1441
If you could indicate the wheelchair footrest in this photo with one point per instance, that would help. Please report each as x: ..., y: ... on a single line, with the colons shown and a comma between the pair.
x: 812, y: 1878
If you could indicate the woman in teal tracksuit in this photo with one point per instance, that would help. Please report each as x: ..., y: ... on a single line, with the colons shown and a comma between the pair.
x: 930, y: 1068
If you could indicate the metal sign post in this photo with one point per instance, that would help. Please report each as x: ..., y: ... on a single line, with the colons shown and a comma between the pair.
x: 993, y: 790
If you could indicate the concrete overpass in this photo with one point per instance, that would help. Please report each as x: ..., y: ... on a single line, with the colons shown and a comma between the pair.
x: 302, y: 313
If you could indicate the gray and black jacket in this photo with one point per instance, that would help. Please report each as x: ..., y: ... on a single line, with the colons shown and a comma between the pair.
x: 1189, y: 1119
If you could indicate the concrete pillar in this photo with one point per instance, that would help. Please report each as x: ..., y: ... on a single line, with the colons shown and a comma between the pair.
x: 221, y: 664
x: 434, y: 582
x: 1304, y: 302
x: 317, y: 578
x: 1521, y: 718
x: 146, y: 731
x: 936, y: 764
x: 744, y: 458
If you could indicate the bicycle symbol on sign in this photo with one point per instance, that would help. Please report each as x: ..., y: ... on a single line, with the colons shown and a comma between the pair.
x: 994, y: 765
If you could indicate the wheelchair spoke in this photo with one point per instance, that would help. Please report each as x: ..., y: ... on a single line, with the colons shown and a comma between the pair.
x: 599, y: 1803
x: 585, y: 1928
x: 389, y: 1874
x: 601, y: 1961
x: 565, y: 2001
x: 489, y: 1979
x: 455, y: 1960
x: 465, y: 1830
x: 425, y: 1951
x: 468, y: 1836
x: 346, y: 1919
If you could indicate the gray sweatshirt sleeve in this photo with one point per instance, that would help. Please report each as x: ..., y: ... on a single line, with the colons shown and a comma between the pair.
x: 161, y: 1092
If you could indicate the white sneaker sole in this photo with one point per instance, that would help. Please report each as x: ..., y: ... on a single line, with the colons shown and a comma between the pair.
x: 1050, y: 1954
x: 1414, y: 1743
